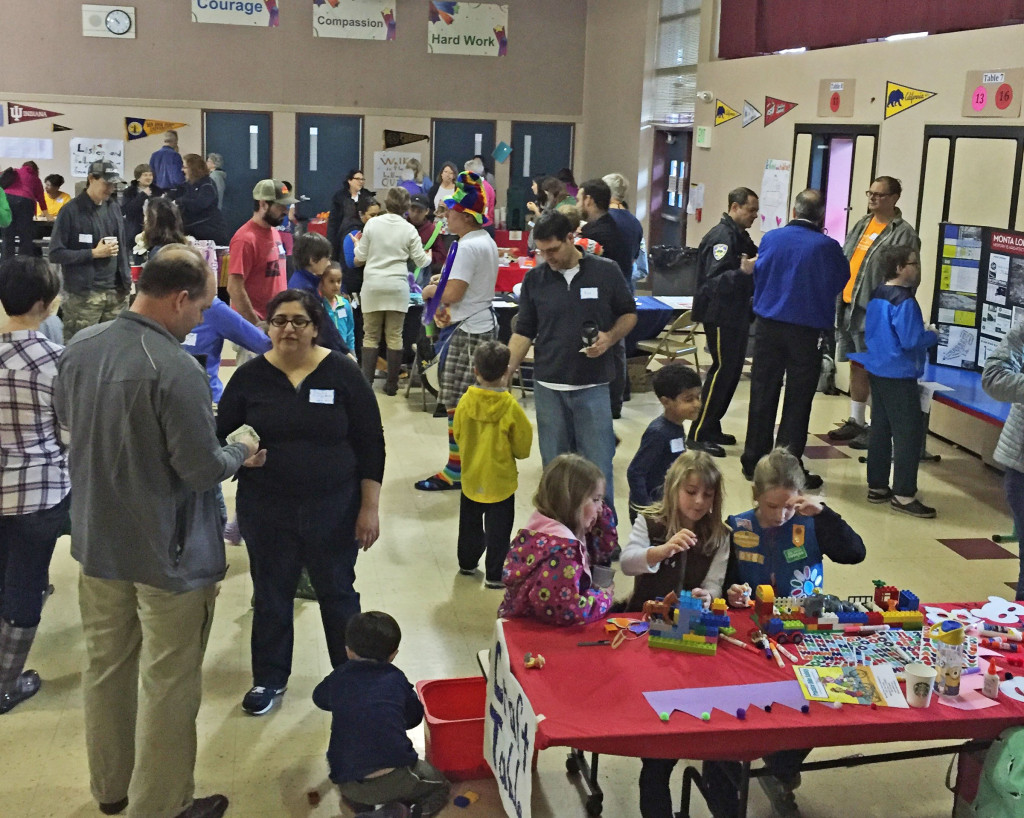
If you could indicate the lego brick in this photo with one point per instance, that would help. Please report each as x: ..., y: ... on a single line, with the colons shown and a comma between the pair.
x: 702, y: 648
x: 908, y: 601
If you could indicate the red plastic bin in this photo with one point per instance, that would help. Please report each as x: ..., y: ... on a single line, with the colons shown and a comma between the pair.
x: 454, y: 712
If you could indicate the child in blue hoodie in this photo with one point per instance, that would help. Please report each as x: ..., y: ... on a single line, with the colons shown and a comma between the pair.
x: 897, y: 340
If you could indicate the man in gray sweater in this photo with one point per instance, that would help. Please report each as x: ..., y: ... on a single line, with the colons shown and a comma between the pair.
x: 146, y: 528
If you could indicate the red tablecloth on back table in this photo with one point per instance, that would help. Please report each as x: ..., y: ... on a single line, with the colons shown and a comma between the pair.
x: 591, y: 699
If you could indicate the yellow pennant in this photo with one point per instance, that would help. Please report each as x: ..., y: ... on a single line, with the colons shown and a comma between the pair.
x: 723, y: 113
x: 899, y: 98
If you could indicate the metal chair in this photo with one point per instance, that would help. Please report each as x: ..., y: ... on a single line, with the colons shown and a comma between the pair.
x: 677, y: 340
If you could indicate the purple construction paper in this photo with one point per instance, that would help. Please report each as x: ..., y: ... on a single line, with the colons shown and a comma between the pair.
x: 728, y: 699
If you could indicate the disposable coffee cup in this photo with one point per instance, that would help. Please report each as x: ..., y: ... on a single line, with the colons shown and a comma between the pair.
x: 920, y: 680
x: 110, y: 239
x: 602, y: 575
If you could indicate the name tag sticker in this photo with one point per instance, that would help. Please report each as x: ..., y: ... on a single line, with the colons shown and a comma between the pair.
x: 321, y: 396
x: 191, y: 339
x: 342, y: 312
x: 588, y: 292
x: 675, y: 446
x: 85, y: 238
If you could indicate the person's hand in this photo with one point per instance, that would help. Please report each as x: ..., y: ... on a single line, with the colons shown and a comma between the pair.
x: 931, y: 328
x: 702, y: 595
x: 428, y: 291
x: 367, y: 527
x: 738, y: 595
x: 442, y: 318
x: 435, y: 279
x: 255, y: 460
x: 808, y: 506
x: 682, y: 540
x: 532, y: 207
x: 105, y: 249
x: 747, y: 264
x: 600, y: 346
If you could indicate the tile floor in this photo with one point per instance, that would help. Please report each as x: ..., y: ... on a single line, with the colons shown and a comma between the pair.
x: 268, y: 765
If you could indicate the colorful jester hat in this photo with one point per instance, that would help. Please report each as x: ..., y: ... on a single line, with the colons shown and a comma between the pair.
x: 470, y: 197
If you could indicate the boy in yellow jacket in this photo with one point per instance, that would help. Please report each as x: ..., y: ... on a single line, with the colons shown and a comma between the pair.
x: 492, y: 432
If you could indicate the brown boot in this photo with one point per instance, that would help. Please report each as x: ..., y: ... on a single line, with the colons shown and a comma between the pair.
x: 394, y: 368
x: 369, y: 364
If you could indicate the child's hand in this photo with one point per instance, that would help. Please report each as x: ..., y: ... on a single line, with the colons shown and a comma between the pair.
x: 702, y: 595
x: 808, y: 506
x: 738, y: 595
x: 684, y: 537
x: 683, y: 540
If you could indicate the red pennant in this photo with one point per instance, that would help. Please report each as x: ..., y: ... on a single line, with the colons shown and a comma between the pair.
x: 26, y: 113
x: 774, y: 108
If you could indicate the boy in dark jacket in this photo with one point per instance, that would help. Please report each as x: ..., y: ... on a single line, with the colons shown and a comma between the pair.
x: 896, y: 339
x: 372, y: 706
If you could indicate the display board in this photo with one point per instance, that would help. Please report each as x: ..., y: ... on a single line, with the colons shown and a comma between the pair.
x: 979, y: 292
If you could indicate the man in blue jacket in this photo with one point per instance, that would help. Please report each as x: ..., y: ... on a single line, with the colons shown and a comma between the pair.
x: 798, y: 274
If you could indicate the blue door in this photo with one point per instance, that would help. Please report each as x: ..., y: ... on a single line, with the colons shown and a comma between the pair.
x: 327, y: 147
x: 243, y: 139
x: 458, y: 140
x: 539, y: 149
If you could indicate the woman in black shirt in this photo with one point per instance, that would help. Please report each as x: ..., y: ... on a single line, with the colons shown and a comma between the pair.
x: 314, y: 503
x: 197, y: 199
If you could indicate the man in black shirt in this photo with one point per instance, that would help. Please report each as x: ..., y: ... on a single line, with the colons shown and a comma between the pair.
x: 594, y: 199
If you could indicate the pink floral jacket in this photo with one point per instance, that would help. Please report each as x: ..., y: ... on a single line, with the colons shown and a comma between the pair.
x: 547, y: 571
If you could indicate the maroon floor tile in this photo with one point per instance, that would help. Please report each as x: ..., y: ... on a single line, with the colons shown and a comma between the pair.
x: 824, y: 453
x: 978, y: 548
x: 1012, y: 586
x: 832, y: 442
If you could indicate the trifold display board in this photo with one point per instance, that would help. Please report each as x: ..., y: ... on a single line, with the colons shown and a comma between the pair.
x: 979, y: 292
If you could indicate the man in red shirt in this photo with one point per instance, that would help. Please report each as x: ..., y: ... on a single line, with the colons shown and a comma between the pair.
x: 256, y: 265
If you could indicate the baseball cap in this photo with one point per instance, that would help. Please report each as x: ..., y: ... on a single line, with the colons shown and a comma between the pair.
x: 105, y: 168
x: 419, y: 200
x: 269, y: 190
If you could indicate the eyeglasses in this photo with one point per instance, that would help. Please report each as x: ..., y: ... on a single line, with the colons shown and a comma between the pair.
x: 297, y: 321
x: 872, y: 195
x: 358, y: 178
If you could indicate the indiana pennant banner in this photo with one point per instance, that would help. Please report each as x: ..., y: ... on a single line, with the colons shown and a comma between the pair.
x: 723, y: 113
x: 141, y: 128
x: 58, y: 128
x: 774, y: 108
x: 26, y: 113
x: 898, y: 98
x: 393, y: 139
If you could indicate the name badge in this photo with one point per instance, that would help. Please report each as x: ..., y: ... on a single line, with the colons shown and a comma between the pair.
x: 280, y: 250
x: 588, y: 292
x: 676, y: 445
x: 342, y: 312
x: 321, y: 396
x: 85, y: 238
x: 190, y: 340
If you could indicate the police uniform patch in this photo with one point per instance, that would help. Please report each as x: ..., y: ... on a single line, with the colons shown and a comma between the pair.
x: 719, y: 251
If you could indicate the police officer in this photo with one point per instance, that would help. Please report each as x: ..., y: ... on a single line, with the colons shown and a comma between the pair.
x: 725, y: 286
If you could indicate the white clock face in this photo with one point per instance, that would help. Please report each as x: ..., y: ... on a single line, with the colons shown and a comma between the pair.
x: 118, y: 22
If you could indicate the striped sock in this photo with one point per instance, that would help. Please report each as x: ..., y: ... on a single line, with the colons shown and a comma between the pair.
x: 452, y: 472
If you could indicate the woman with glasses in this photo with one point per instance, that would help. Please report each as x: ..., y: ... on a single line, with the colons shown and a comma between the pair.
x: 344, y: 213
x: 314, y: 504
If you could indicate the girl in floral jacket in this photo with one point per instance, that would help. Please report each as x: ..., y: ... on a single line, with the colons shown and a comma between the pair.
x: 549, y: 572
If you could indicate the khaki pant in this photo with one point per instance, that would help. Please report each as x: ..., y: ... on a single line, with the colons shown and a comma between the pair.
x: 142, y: 687
x: 390, y: 322
x: 81, y: 311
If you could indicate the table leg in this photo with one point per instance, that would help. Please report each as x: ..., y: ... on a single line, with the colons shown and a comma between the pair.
x: 576, y: 763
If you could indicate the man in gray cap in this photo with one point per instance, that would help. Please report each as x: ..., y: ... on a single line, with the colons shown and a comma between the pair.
x: 89, y: 242
x: 256, y: 269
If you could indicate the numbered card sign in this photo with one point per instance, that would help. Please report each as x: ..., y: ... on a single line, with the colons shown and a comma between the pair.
x: 835, y: 97
x: 993, y: 93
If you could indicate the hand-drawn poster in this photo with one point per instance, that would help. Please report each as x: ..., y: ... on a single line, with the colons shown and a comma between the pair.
x: 86, y: 151
x: 775, y: 194
x: 957, y: 346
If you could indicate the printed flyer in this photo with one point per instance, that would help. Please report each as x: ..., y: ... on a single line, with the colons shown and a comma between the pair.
x: 862, y: 684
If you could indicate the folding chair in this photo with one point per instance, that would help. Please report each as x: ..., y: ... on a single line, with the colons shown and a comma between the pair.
x: 677, y: 340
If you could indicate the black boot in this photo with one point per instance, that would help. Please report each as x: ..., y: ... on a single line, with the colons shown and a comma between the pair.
x: 15, y: 685
x: 369, y: 364
x: 394, y: 369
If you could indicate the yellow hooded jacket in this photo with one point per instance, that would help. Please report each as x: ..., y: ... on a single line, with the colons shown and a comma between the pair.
x: 492, y: 432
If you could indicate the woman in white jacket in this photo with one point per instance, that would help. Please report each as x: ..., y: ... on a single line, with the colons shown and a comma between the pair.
x: 386, y: 244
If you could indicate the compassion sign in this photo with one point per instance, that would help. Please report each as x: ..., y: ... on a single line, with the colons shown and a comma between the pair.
x: 355, y: 19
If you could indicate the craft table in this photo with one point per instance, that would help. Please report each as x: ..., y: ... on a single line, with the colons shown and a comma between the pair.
x: 591, y: 700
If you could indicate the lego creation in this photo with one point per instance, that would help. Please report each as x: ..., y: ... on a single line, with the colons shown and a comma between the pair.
x: 679, y: 622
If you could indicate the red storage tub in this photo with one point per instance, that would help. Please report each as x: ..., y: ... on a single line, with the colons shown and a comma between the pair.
x: 454, y: 712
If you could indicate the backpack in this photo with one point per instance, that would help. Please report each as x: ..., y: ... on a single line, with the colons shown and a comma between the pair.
x: 1001, y: 789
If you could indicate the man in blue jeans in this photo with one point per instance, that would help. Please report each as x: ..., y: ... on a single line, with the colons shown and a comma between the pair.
x: 574, y: 308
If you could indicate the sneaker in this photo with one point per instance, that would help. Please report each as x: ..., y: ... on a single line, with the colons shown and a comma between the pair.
x: 494, y: 584
x: 780, y: 796
x: 260, y: 699
x: 467, y: 572
x: 848, y: 431
x: 915, y: 508
x: 25, y: 687
x: 232, y: 534
x: 812, y: 481
x: 860, y: 442
x: 213, y: 806
x: 879, y: 495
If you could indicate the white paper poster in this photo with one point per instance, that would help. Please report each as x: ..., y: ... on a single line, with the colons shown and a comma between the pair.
x: 355, y: 19
x: 510, y: 727
x: 86, y: 151
x: 480, y: 29
x: 957, y: 346
x: 986, y: 346
x: 998, y: 277
x: 388, y: 167
x: 775, y: 194
x: 237, y: 12
x: 17, y: 147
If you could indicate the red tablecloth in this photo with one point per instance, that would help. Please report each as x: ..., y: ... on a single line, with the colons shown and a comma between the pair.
x: 591, y: 699
x: 317, y: 226
x: 504, y: 238
x: 509, y: 275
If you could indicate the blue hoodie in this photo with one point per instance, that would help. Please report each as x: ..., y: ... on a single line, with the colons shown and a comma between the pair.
x: 220, y: 322
x: 894, y: 334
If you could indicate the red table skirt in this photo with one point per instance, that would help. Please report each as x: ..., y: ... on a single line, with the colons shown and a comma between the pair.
x: 591, y: 699
x: 317, y: 226
x: 508, y: 276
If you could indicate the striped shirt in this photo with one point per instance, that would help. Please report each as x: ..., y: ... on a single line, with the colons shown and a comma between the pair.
x: 33, y: 462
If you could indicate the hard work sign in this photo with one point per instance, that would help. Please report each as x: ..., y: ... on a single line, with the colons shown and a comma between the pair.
x: 479, y: 29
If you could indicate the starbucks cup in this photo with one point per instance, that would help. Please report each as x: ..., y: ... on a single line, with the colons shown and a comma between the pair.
x: 920, y: 680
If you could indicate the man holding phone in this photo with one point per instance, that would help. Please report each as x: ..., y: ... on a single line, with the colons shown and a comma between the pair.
x: 89, y: 242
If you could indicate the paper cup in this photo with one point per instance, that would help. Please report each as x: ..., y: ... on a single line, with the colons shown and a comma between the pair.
x: 602, y: 575
x: 920, y: 680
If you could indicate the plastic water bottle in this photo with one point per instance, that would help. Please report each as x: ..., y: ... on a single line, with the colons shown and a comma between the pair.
x: 948, y: 639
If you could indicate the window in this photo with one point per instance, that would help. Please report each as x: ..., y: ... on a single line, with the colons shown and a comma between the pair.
x: 675, y: 76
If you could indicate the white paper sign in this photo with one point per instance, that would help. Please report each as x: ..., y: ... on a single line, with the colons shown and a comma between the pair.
x: 236, y: 12
x: 775, y: 194
x: 86, y: 151
x: 355, y: 19
x: 509, y: 731
x: 388, y: 167
x: 480, y: 29
x: 17, y: 147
